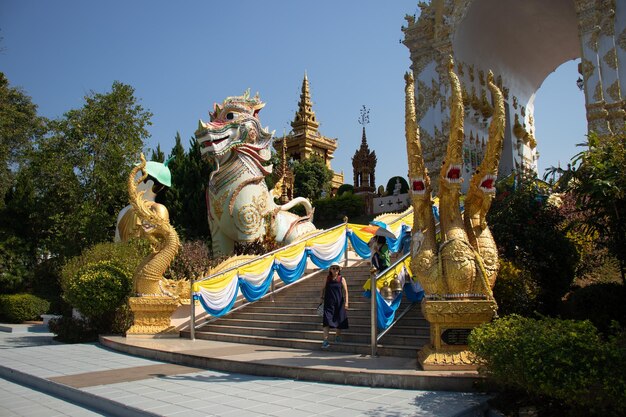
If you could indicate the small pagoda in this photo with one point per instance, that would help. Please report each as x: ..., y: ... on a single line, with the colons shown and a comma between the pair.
x: 305, y: 139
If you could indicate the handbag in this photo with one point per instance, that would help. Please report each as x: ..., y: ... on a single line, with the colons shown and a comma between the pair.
x: 320, y: 310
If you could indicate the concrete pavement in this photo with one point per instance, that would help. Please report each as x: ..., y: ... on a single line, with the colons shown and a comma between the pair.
x: 38, y: 377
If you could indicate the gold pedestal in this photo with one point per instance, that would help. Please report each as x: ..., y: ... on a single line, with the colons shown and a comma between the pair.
x: 451, y: 321
x: 152, y: 316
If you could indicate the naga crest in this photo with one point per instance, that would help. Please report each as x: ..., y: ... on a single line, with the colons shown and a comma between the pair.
x: 234, y: 126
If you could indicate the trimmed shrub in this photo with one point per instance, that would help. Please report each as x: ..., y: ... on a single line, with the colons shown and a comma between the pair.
x: 562, y: 359
x: 598, y: 303
x: 99, y: 288
x: 126, y: 256
x: 17, y: 308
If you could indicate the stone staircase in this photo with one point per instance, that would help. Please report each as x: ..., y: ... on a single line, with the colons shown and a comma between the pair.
x: 287, y: 319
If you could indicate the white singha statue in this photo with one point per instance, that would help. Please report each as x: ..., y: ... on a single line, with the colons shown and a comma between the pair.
x: 240, y: 206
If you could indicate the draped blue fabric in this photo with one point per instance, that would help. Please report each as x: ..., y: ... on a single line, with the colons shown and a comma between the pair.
x: 394, y: 244
x: 325, y: 263
x: 290, y: 275
x: 216, y: 313
x: 385, y: 313
x: 255, y: 292
x: 413, y: 292
x: 359, y: 246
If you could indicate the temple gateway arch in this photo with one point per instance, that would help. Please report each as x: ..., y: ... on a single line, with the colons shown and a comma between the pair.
x: 522, y: 42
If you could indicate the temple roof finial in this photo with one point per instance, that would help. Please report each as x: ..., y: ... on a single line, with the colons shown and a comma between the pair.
x: 305, y: 116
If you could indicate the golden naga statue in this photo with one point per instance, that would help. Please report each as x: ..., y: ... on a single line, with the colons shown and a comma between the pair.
x: 464, y: 264
x: 156, y: 227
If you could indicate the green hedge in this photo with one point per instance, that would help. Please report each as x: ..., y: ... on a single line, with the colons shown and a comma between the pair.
x: 17, y: 308
x: 563, y: 359
x: 99, y: 288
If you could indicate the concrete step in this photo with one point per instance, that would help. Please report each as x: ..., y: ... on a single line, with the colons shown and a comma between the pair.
x: 309, y: 344
x: 287, y: 318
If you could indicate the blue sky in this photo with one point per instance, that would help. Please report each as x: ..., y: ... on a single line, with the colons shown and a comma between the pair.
x: 181, y: 57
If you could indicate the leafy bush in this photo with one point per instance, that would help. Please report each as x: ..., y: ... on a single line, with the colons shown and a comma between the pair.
x: 562, y: 359
x: 529, y: 232
x: 192, y: 259
x: 17, y: 308
x: 345, y: 188
x: 331, y: 211
x: 515, y: 291
x: 72, y: 330
x: 99, y: 289
x: 125, y: 256
x: 598, y: 303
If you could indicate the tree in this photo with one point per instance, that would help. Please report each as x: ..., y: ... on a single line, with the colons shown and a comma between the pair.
x: 345, y: 188
x: 80, y: 168
x: 391, y: 185
x: 597, y: 178
x: 311, y: 178
x: 529, y: 233
x: 19, y: 125
x: 186, y: 200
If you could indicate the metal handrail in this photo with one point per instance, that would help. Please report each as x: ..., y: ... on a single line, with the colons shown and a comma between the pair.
x: 272, y: 252
x: 375, y: 337
x: 192, y: 281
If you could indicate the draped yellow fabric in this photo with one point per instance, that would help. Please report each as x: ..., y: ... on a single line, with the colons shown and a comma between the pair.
x: 327, y: 238
x: 357, y: 229
x: 256, y: 267
x: 291, y: 252
x: 218, y: 283
x: 380, y: 282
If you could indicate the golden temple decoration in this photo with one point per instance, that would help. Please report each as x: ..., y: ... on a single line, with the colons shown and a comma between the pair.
x: 621, y: 40
x: 597, y: 94
x: 481, y: 77
x: 471, y: 72
x: 153, y: 307
x: 587, y: 68
x: 457, y: 272
x: 485, y: 107
x: 515, y: 102
x: 614, y: 91
x: 610, y: 58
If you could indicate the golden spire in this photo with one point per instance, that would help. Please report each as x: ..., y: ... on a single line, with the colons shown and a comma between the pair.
x: 305, y: 119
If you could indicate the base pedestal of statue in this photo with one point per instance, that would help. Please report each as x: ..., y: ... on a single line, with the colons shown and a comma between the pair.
x: 451, y: 322
x: 152, y: 316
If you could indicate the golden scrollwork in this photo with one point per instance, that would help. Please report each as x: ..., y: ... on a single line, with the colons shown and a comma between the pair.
x: 481, y: 77
x: 614, y: 91
x: 597, y: 93
x: 610, y: 58
x: 621, y: 39
x: 250, y: 216
x: 587, y: 68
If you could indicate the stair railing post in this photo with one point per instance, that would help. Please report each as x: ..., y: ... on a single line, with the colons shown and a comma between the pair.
x: 373, y: 341
x: 192, y: 309
x: 345, y: 255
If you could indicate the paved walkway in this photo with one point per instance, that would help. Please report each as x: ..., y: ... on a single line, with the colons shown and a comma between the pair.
x: 40, y: 378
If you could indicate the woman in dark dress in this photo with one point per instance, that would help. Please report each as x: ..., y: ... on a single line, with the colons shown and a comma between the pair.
x: 335, y: 297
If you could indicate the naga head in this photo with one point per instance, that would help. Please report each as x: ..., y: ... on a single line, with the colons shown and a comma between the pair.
x: 452, y: 166
x: 233, y: 124
x: 484, y: 180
